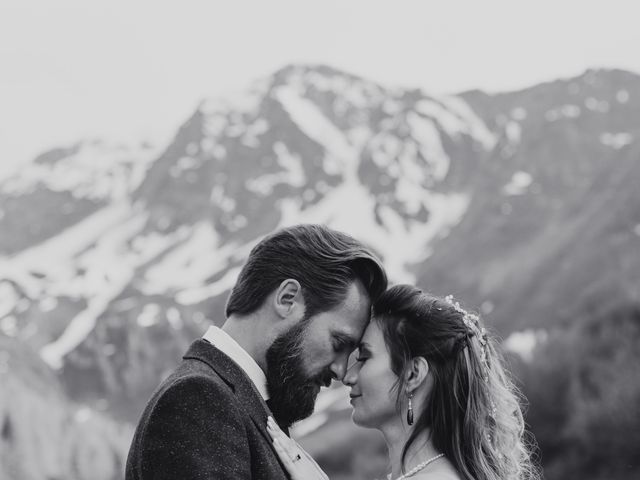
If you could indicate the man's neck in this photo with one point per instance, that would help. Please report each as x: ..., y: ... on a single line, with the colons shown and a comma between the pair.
x: 248, y: 332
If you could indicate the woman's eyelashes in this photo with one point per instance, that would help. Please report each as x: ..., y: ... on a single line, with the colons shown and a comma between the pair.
x: 363, y: 355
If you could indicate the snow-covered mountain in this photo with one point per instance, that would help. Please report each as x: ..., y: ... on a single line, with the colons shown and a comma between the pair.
x: 524, y: 204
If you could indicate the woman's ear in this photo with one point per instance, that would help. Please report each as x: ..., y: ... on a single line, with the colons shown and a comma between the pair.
x: 288, y: 298
x: 416, y: 373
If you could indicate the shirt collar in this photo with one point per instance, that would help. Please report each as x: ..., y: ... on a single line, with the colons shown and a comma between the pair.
x: 227, y: 345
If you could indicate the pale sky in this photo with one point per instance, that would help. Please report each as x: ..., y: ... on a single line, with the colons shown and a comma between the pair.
x: 136, y: 69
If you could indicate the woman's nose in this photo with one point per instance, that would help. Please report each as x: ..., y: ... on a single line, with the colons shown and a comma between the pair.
x: 351, y: 377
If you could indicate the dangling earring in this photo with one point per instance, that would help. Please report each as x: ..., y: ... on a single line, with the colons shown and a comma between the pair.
x: 410, y: 411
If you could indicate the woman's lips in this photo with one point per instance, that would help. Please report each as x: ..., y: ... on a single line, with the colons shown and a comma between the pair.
x: 353, y: 397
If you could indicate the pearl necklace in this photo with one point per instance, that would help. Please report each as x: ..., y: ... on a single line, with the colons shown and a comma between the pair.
x: 417, y: 468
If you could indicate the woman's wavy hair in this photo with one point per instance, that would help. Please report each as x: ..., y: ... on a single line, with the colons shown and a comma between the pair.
x: 474, y: 410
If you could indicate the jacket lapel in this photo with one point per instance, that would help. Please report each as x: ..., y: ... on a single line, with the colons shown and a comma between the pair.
x: 244, y: 389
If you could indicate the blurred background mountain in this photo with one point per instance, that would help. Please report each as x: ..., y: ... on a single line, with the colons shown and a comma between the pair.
x: 525, y: 205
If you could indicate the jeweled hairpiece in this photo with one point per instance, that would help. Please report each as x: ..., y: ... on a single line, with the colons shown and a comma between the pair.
x: 472, y: 322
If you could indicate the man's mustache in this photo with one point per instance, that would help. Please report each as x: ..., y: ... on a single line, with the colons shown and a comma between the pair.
x: 324, y: 378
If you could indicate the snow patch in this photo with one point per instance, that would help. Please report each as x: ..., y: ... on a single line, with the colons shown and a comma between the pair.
x: 564, y: 111
x: 622, y: 96
x: 518, y: 114
x: 428, y: 138
x: 253, y: 131
x: 292, y: 173
x: 8, y: 298
x: 478, y: 129
x: 48, y: 304
x: 385, y: 149
x: 83, y: 414
x: 401, y: 242
x: 242, y: 101
x: 174, y: 318
x: 391, y: 107
x: 96, y: 170
x: 9, y: 326
x: 596, y: 105
x: 453, y: 125
x: 315, y: 125
x: 525, y: 342
x: 359, y: 93
x: 196, y: 295
x: 219, y: 198
x: 190, y: 263
x: 616, y: 140
x: 570, y: 111
x: 109, y: 266
x: 214, y: 125
x: 514, y: 132
x: 54, y: 257
x: 149, y: 315
x: 520, y: 182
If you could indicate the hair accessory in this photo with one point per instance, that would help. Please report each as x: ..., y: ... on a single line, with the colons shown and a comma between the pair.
x: 410, y: 411
x: 472, y: 322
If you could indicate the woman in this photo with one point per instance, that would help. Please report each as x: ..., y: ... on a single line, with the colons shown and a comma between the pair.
x: 431, y: 380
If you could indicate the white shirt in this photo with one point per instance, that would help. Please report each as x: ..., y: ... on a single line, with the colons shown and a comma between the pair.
x: 227, y: 345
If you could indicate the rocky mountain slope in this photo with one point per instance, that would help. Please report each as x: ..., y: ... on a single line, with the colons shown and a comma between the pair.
x: 113, y: 258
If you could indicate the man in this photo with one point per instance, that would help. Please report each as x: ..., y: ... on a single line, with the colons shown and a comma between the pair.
x: 298, y: 309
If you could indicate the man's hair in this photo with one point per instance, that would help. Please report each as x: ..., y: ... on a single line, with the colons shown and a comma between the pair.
x: 324, y: 261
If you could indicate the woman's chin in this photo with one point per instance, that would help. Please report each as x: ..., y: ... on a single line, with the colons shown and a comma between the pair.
x: 377, y: 422
x: 355, y: 418
x: 360, y: 420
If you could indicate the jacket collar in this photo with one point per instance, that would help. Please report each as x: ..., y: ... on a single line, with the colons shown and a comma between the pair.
x: 244, y: 389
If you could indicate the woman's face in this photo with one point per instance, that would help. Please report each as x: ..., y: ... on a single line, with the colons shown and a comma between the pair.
x: 371, y: 380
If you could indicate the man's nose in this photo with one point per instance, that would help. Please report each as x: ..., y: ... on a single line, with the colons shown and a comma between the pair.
x: 339, y: 368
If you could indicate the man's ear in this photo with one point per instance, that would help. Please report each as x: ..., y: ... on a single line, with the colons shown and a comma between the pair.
x: 417, y: 373
x: 288, y: 298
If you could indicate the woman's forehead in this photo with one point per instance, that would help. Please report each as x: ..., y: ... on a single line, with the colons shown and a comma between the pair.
x: 373, y: 335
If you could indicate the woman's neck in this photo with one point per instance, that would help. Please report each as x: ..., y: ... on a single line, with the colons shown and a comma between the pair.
x: 396, y: 436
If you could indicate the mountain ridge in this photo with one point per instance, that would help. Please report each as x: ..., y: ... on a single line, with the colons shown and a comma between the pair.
x: 523, y: 204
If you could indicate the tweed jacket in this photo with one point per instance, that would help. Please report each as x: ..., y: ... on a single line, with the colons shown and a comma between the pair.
x: 205, y: 421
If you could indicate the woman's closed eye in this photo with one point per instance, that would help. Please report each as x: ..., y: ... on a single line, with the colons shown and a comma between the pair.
x: 362, y: 355
x: 357, y: 358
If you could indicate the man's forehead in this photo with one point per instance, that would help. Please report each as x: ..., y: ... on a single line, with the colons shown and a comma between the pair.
x: 357, y: 297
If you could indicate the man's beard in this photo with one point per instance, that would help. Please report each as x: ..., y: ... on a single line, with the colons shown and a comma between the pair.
x: 293, y: 393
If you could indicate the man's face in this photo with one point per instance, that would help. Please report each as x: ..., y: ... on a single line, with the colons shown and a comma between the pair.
x: 312, y: 353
